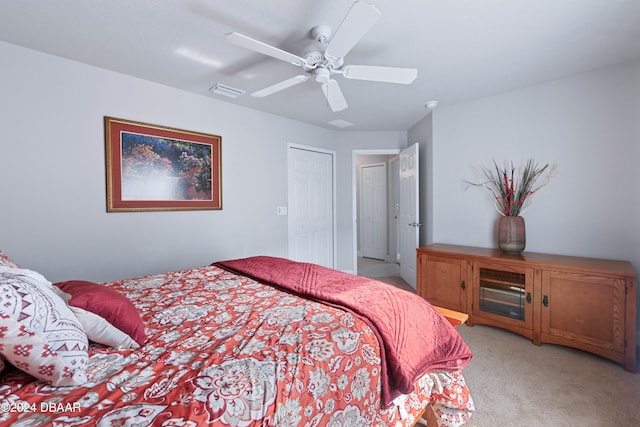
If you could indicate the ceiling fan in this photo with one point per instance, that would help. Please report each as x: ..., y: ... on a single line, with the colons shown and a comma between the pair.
x: 325, y: 58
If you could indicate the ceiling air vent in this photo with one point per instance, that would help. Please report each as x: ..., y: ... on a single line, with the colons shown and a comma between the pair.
x: 339, y: 123
x: 230, y: 92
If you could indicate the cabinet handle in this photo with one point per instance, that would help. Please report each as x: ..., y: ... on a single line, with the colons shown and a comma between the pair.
x: 528, y: 297
x: 545, y: 301
x: 463, y: 285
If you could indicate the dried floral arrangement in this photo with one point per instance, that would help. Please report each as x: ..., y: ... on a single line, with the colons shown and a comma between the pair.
x: 512, y: 191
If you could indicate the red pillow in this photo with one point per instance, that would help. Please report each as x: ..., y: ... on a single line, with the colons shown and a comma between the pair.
x: 107, y: 303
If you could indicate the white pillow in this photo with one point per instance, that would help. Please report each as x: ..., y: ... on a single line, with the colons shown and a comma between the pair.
x: 5, y: 261
x: 97, y: 328
x: 38, y: 332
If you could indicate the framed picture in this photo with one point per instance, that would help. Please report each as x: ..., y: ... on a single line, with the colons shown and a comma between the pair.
x: 157, y: 168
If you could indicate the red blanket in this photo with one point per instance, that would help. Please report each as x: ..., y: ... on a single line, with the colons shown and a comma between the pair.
x: 414, y: 337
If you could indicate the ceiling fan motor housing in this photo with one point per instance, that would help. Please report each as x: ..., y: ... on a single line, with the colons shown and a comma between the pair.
x: 313, y: 58
x: 314, y: 54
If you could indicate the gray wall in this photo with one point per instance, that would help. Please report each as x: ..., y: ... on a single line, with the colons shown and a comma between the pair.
x: 52, y: 174
x: 52, y: 191
x: 589, y: 125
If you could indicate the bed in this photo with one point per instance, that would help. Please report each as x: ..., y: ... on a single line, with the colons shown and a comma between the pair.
x: 259, y: 341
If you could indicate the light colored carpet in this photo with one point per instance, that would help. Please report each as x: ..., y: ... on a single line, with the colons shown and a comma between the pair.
x: 517, y: 384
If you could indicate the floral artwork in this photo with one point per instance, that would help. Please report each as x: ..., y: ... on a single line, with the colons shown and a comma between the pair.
x: 155, y: 168
x: 166, y: 169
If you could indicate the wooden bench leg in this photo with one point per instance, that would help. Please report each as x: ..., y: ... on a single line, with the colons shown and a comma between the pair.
x: 428, y: 418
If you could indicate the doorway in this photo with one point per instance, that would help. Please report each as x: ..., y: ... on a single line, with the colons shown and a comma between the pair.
x: 366, y: 158
x: 402, y: 212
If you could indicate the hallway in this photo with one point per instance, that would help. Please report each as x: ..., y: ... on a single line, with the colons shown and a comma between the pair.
x: 383, y: 271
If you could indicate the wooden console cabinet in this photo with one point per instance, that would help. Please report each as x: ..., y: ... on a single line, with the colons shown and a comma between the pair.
x: 585, y: 303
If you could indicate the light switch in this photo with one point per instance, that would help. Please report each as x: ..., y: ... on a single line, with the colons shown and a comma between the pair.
x: 281, y: 210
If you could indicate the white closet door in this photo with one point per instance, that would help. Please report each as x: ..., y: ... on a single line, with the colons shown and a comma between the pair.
x: 373, y: 205
x: 311, y: 206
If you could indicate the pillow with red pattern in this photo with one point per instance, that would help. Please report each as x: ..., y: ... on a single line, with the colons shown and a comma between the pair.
x: 5, y: 261
x: 38, y: 333
x: 108, y: 317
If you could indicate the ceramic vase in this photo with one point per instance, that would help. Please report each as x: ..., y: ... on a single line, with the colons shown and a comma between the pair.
x: 511, y: 234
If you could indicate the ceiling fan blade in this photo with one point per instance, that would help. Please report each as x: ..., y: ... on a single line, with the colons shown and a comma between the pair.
x: 334, y: 95
x: 380, y: 74
x: 265, y: 49
x: 355, y: 25
x: 280, y: 86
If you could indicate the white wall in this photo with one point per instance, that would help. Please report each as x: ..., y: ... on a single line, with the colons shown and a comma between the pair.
x: 52, y: 173
x: 589, y: 125
x: 52, y: 179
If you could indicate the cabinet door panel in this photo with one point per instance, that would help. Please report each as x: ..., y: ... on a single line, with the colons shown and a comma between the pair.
x: 503, y: 293
x: 584, y: 308
x: 442, y: 282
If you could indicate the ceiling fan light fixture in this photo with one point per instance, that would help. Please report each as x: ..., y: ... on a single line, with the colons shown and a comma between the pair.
x: 223, y: 90
x: 322, y: 75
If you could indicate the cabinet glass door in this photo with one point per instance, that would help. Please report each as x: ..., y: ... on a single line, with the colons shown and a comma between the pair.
x: 502, y: 295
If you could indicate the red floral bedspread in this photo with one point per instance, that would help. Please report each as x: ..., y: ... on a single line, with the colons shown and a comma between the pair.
x: 416, y: 337
x: 223, y: 349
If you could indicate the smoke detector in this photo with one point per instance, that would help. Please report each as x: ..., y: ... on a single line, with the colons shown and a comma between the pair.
x: 431, y: 105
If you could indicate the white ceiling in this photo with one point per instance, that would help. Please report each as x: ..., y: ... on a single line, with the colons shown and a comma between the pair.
x: 463, y: 49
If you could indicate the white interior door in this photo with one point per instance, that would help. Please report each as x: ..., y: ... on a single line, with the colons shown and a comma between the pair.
x: 373, y: 207
x: 393, y: 204
x: 311, y: 223
x: 409, y: 227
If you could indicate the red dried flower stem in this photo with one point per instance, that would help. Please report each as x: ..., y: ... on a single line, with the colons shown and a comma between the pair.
x: 512, y: 193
